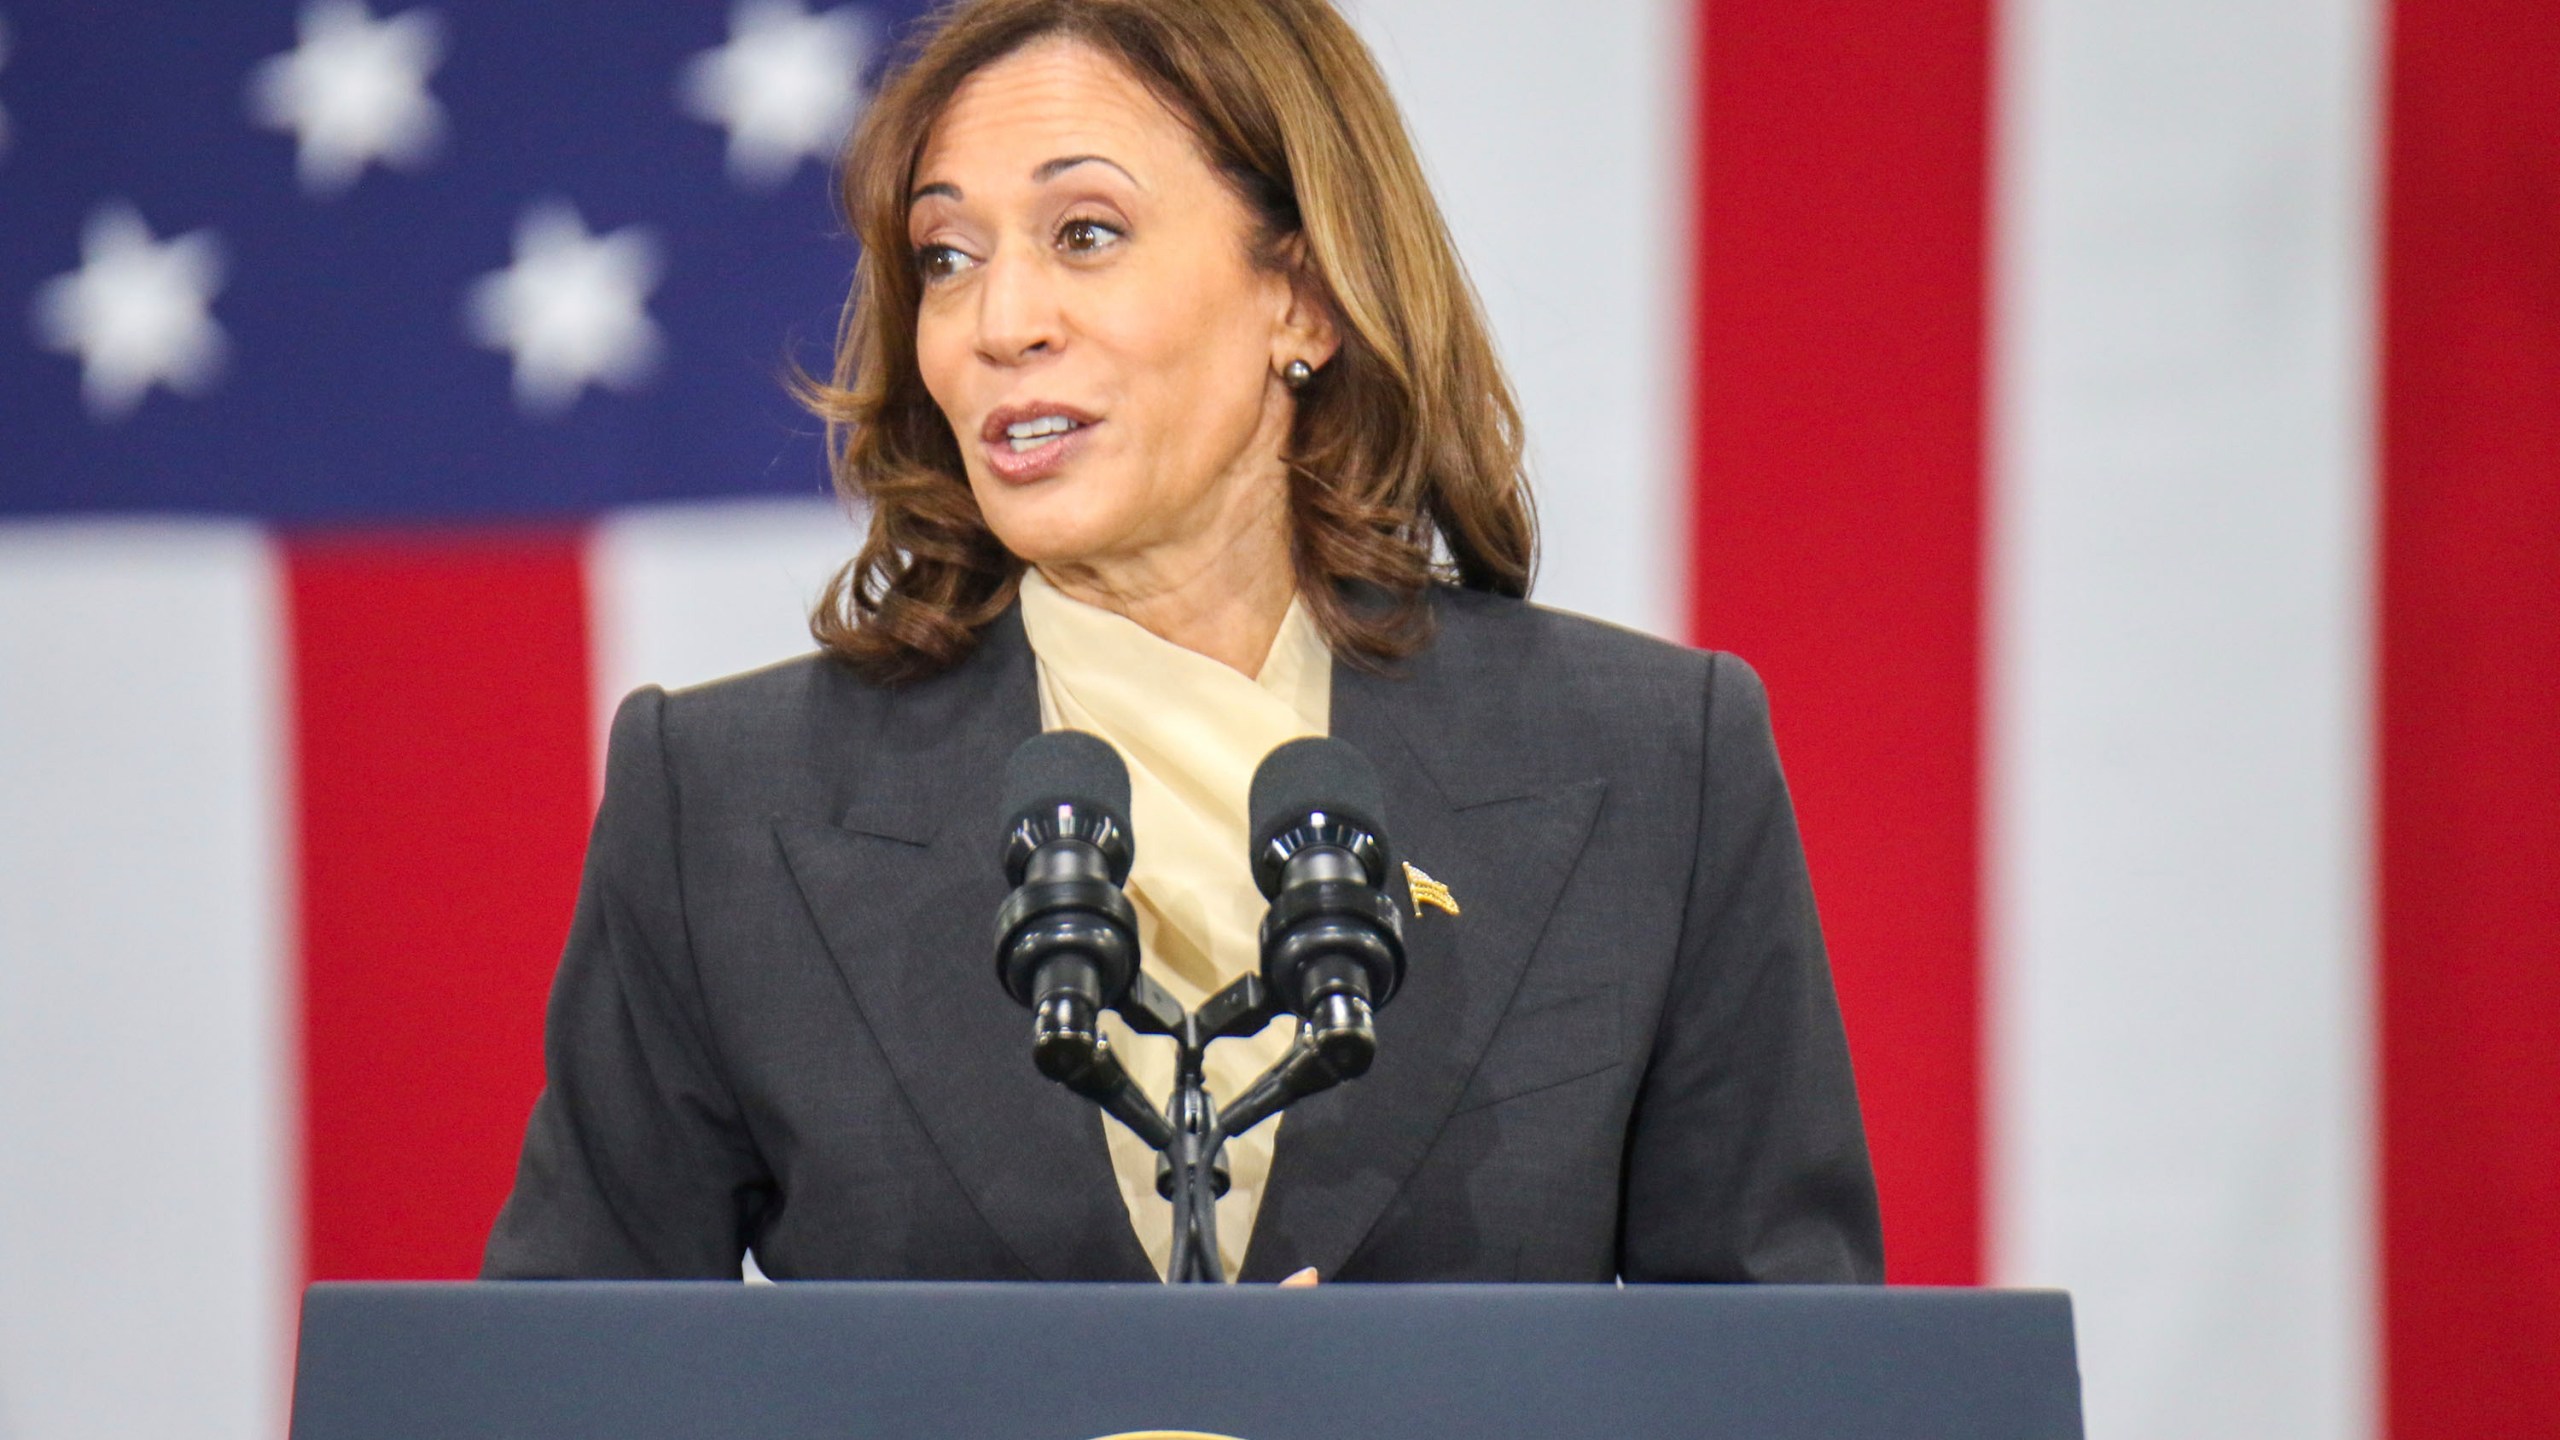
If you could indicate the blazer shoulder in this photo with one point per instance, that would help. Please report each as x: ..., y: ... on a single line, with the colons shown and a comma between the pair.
x: 1586, y: 660
x: 755, y: 699
x: 807, y: 735
x: 1549, y: 687
x: 726, y: 735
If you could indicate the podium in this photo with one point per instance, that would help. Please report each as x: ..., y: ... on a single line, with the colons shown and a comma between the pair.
x: 658, y: 1361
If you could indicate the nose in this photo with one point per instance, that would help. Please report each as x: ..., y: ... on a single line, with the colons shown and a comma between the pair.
x: 1018, y: 317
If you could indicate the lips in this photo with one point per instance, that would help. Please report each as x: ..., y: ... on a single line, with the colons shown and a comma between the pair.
x: 1033, y: 441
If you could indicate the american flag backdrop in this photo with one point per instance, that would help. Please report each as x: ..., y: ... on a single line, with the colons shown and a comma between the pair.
x: 2125, y: 435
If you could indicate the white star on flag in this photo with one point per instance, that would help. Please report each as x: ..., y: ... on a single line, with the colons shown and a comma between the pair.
x: 353, y: 92
x: 787, y: 86
x: 572, y: 309
x: 136, y: 312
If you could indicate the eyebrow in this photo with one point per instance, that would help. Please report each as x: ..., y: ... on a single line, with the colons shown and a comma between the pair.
x: 1045, y: 172
x: 1051, y: 170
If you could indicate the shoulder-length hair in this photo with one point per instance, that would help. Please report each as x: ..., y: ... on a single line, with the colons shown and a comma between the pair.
x: 1404, y: 459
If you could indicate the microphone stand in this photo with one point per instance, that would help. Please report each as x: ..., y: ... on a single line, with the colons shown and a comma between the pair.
x: 1190, y: 1134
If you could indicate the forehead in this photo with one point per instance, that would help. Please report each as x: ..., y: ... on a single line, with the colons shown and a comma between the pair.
x: 1051, y: 98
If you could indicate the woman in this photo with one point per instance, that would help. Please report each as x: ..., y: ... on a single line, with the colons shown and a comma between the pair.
x: 1178, y: 423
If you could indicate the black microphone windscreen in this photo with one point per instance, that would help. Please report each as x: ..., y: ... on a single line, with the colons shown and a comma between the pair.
x: 1317, y: 773
x: 1063, y: 767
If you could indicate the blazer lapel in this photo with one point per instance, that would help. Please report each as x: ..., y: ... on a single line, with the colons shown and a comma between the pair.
x: 904, y: 889
x: 1503, y: 839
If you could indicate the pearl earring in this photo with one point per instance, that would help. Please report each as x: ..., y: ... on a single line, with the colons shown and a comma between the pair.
x: 1296, y: 374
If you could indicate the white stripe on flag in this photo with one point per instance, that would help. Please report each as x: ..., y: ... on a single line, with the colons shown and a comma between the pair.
x: 680, y: 594
x: 1555, y: 138
x: 147, y: 1247
x: 2179, y: 762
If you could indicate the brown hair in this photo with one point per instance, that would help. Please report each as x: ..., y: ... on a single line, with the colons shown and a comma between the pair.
x: 1405, y: 454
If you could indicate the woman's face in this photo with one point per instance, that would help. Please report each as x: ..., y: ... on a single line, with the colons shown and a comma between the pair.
x: 1093, y: 325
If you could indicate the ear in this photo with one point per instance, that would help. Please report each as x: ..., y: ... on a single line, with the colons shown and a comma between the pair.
x: 1307, y: 329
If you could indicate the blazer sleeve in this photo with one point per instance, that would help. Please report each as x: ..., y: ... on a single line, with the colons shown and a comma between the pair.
x: 636, y: 1163
x: 1746, y: 1158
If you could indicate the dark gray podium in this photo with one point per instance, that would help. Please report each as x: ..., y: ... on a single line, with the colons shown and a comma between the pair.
x: 1073, y: 1362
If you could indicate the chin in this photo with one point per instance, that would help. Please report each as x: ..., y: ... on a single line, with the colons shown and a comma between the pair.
x: 1055, y: 522
x: 1037, y: 543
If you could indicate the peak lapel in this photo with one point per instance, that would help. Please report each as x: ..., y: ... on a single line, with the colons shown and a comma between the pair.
x: 1504, y: 848
x: 904, y: 892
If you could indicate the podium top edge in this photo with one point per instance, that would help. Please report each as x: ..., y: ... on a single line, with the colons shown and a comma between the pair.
x: 1775, y: 1293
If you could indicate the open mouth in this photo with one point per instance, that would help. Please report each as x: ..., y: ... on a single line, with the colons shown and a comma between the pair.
x: 1025, y: 436
x: 1033, y: 441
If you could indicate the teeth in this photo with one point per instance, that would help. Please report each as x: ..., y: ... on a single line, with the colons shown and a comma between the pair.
x: 1029, y: 435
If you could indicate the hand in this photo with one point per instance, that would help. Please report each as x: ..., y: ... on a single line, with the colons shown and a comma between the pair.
x: 1301, y: 1280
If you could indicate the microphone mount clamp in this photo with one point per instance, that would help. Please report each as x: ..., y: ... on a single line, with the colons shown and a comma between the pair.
x: 1189, y: 1135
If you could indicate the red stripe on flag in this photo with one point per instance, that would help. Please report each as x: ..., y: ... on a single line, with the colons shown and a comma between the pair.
x: 2470, y: 738
x: 1838, y: 415
x: 443, y: 754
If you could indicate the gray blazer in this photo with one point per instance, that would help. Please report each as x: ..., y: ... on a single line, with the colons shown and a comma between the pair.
x: 777, y: 1024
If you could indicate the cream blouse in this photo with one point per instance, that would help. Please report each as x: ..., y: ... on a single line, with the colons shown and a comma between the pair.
x: 1192, y: 731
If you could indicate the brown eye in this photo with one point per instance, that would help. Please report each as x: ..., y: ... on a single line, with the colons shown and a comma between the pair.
x: 1083, y: 237
x: 939, y: 262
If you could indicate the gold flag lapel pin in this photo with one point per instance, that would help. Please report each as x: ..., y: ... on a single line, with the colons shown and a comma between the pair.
x: 1427, y: 891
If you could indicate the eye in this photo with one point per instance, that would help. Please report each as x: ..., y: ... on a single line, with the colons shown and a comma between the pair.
x: 940, y: 262
x: 1084, y: 237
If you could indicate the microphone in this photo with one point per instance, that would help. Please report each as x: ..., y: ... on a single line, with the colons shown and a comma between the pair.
x: 1067, y: 938
x: 1332, y: 943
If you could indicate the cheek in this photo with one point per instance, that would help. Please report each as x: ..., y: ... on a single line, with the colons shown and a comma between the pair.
x: 1197, y: 344
x: 1216, y: 313
x: 942, y: 355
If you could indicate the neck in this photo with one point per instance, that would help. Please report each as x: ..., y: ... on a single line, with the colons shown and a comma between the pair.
x: 1224, y: 600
